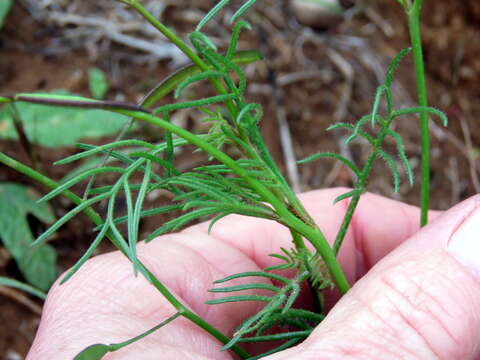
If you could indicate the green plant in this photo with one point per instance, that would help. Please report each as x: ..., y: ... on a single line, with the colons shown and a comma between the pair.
x: 32, y: 124
x: 21, y: 286
x: 71, y: 124
x: 38, y: 265
x: 5, y: 7
x: 97, y: 83
x: 251, y: 185
x: 412, y: 9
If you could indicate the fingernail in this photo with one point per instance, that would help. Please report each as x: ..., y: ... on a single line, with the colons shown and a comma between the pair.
x: 464, y: 244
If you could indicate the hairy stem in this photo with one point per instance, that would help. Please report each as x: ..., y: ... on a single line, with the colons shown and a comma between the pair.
x: 118, y: 346
x: 220, y: 88
x: 362, y: 182
x: 311, y: 233
x: 217, y: 84
x: 183, y: 46
x: 413, y: 14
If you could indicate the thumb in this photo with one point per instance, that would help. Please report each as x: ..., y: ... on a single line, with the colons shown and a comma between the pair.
x: 422, y: 301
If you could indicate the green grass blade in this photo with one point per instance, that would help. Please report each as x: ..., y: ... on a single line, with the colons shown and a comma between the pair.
x: 137, y: 211
x: 275, y: 337
x: 194, y: 103
x: 245, y: 287
x: 254, y: 273
x: 65, y: 218
x: 349, y: 194
x: 86, y: 255
x: 180, y: 221
x: 161, y: 162
x: 211, y: 14
x: 288, y: 344
x: 242, y: 10
x: 206, y: 75
x: 4, y: 281
x: 232, y: 46
x: 376, y: 103
x: 78, y: 178
x: 151, y: 212
x: 97, y: 351
x: 341, y: 158
x: 393, y: 167
x: 238, y: 298
x: 401, y: 153
x: 394, y: 64
x: 170, y: 83
x: 98, y: 149
x: 420, y: 109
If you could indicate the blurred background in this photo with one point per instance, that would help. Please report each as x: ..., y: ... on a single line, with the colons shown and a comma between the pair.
x: 322, y: 65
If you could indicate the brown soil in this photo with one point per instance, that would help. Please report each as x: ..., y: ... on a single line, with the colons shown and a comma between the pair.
x: 452, y: 48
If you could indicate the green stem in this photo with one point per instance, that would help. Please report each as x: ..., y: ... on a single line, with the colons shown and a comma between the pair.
x: 118, y: 346
x: 183, y: 46
x: 97, y: 220
x: 362, y: 182
x: 317, y: 239
x: 220, y: 88
x: 285, y: 216
x: 312, y: 233
x: 169, y: 34
x: 297, y: 240
x: 413, y: 14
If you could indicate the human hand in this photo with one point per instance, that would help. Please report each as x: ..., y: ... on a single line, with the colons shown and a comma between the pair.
x: 419, y: 301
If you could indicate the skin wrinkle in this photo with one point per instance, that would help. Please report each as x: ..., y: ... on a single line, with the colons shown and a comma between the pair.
x: 433, y: 300
x: 370, y: 308
x: 192, y: 336
x: 430, y: 314
x: 256, y: 251
x: 457, y: 342
x: 243, y: 241
x: 355, y: 351
x: 151, y: 262
x: 364, y: 344
x: 351, y: 234
x: 198, y: 306
x: 169, y: 343
x: 248, y: 246
x: 197, y: 337
x: 181, y: 283
x: 109, y: 316
x: 474, y: 208
x: 405, y: 319
x: 103, y: 296
x: 206, y: 310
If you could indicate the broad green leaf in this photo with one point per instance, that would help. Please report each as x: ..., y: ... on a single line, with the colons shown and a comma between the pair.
x: 54, y: 126
x: 37, y: 264
x: 97, y: 83
x: 5, y: 6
